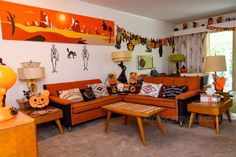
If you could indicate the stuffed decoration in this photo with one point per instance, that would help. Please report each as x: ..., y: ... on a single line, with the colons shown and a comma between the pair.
x: 133, y: 78
x: 40, y: 101
x: 112, y: 79
x: 126, y: 87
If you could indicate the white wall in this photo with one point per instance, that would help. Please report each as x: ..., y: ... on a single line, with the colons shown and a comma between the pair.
x: 100, y: 63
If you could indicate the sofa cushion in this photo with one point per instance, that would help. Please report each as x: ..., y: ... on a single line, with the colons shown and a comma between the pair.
x: 53, y: 88
x: 172, y: 91
x: 93, y: 104
x: 150, y: 89
x: 99, y: 89
x: 87, y: 94
x: 143, y: 99
x: 71, y: 94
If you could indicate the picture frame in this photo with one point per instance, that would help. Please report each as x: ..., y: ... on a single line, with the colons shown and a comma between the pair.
x: 145, y: 62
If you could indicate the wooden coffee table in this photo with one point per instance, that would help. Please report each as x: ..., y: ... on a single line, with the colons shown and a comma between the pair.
x: 46, y: 115
x: 211, y: 109
x: 136, y: 110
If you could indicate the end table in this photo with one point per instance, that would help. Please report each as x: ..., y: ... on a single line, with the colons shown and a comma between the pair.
x: 46, y: 114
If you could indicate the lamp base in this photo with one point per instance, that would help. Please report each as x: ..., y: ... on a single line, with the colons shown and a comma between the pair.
x: 122, y: 78
x: 5, y: 113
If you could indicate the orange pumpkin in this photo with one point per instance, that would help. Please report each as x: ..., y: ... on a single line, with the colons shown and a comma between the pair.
x: 41, y: 100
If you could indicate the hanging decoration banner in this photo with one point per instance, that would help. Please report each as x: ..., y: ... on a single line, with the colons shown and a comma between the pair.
x: 22, y: 22
x: 131, y: 39
x: 214, y: 28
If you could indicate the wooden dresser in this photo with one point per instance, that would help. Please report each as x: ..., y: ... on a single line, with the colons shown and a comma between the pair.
x: 18, y: 137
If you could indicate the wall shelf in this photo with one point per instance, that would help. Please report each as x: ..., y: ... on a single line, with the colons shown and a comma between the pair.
x: 203, y: 28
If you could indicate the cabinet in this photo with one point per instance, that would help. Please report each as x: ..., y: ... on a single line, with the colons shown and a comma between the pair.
x: 18, y: 137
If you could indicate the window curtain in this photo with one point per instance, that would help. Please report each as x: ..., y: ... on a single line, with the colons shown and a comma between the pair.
x: 194, y: 47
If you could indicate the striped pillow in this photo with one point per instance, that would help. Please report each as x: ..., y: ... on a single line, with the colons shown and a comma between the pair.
x: 71, y: 94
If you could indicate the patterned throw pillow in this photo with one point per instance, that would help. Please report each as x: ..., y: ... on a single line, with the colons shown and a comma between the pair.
x: 99, y: 90
x: 88, y: 94
x: 150, y: 89
x: 71, y: 94
x: 172, y: 91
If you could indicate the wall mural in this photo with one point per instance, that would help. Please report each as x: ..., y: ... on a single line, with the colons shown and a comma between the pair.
x: 54, y: 58
x: 85, y: 56
x: 22, y: 22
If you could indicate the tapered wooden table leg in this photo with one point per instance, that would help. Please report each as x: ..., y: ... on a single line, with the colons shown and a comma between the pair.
x: 160, y: 124
x: 229, y: 116
x: 141, y: 130
x: 126, y: 120
x: 217, y: 125
x: 108, y: 120
x: 191, y: 119
x: 59, y: 126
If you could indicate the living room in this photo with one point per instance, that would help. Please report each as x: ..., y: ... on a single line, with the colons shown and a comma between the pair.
x: 77, y: 62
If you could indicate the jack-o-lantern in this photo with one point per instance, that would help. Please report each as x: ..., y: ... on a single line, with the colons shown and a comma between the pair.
x: 41, y: 100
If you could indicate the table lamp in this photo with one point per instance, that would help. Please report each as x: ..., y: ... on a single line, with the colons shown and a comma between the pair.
x: 214, y: 64
x: 31, y: 72
x: 7, y: 80
x: 121, y: 56
x: 177, y: 58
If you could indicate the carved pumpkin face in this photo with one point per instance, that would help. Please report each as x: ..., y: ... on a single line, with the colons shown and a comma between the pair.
x: 40, y: 101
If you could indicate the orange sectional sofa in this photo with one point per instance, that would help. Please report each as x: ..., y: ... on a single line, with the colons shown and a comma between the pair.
x: 75, y: 113
x: 176, y: 107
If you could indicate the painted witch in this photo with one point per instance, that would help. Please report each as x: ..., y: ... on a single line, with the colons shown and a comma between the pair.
x: 85, y: 56
x: 54, y: 58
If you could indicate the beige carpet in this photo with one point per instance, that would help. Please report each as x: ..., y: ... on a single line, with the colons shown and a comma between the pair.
x: 89, y: 140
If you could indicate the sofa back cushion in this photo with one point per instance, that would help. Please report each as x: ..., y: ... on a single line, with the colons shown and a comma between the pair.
x: 73, y: 94
x: 192, y: 83
x: 150, y: 89
x: 55, y: 87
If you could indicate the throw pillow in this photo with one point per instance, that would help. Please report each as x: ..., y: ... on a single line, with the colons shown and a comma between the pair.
x: 172, y: 91
x: 71, y: 94
x: 150, y: 89
x: 99, y: 90
x: 87, y: 94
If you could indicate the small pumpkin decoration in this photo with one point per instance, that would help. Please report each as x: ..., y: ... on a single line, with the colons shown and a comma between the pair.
x: 41, y: 100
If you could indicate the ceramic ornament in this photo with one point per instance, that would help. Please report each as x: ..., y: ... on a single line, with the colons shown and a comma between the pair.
x: 54, y: 58
x: 85, y: 56
x: 71, y: 53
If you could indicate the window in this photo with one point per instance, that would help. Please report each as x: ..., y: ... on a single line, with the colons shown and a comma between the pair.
x: 221, y: 43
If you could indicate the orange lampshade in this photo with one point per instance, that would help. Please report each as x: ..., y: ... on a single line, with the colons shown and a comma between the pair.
x: 7, y: 77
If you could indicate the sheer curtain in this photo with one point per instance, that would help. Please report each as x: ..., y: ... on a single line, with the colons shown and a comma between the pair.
x: 194, y: 47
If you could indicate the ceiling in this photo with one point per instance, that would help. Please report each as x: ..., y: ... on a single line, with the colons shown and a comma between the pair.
x: 173, y: 11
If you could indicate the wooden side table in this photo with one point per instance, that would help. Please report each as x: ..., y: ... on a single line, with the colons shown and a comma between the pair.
x: 18, y: 137
x: 212, y: 109
x: 43, y: 115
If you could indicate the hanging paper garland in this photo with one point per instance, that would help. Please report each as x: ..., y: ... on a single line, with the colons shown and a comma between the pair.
x: 132, y: 40
x: 214, y: 28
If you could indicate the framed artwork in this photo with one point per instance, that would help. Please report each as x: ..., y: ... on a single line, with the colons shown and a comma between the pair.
x: 22, y: 22
x: 145, y: 62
